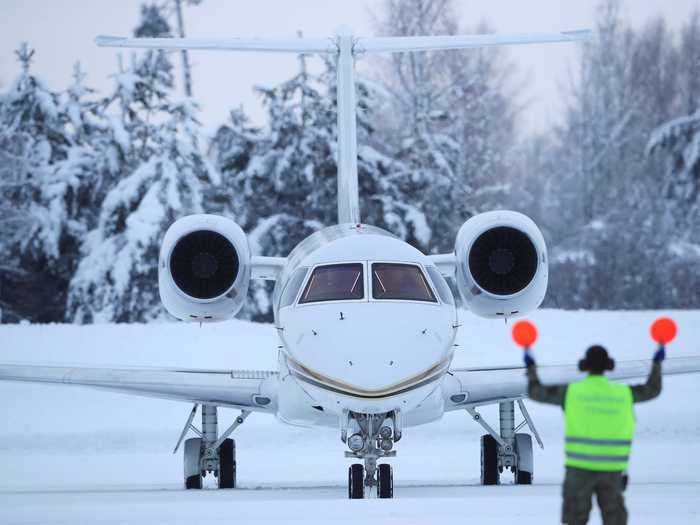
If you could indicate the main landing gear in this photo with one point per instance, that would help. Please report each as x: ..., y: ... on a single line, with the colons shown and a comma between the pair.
x: 209, y: 453
x: 372, y: 436
x: 507, y: 449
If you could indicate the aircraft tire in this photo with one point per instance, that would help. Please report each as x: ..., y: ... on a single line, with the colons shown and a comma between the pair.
x: 489, y: 460
x: 191, y: 458
x: 356, y: 481
x: 523, y: 449
x: 227, y: 464
x: 193, y: 482
x: 385, y: 481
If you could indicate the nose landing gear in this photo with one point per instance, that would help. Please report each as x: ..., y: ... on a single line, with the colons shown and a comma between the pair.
x: 373, y: 438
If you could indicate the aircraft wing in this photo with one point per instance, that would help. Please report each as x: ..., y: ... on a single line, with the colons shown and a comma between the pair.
x: 245, y: 389
x: 483, y: 386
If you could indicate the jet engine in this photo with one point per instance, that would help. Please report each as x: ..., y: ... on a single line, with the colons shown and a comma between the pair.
x: 501, y: 264
x: 204, y: 268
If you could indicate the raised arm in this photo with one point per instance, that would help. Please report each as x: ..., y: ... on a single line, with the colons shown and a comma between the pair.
x: 652, y: 388
x: 552, y: 394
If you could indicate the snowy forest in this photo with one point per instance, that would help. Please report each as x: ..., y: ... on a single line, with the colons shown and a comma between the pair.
x: 89, y: 181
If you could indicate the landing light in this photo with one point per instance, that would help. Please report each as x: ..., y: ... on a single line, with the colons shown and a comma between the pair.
x: 356, y: 442
x: 386, y: 445
x: 385, y: 432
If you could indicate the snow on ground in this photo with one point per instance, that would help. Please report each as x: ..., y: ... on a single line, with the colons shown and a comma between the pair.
x: 70, y: 455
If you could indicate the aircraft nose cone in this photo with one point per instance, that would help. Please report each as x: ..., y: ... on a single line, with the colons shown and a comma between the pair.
x: 373, y: 348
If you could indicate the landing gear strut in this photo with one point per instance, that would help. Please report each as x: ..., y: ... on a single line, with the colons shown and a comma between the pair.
x: 373, y: 437
x: 507, y: 449
x: 209, y: 453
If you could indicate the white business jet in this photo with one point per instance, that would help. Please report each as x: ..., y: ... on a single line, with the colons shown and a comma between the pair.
x: 366, y: 322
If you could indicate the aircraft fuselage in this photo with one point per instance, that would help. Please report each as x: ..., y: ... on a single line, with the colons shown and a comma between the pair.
x: 366, y: 324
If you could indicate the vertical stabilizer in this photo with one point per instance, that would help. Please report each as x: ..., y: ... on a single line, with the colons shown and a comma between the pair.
x: 345, y: 47
x: 348, y: 192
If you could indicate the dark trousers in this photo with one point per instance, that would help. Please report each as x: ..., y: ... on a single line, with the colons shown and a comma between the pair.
x: 579, y: 487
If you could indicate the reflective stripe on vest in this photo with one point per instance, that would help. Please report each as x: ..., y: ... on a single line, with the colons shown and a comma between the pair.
x: 599, y: 424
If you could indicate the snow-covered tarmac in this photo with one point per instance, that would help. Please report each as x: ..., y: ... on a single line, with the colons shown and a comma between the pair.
x: 72, y: 455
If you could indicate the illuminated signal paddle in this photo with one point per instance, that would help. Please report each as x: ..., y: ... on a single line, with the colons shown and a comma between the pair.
x: 663, y: 330
x: 524, y: 334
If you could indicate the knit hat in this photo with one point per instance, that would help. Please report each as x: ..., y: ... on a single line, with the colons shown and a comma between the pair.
x: 597, y: 360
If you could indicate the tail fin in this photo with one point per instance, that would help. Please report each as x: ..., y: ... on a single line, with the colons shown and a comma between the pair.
x: 345, y: 47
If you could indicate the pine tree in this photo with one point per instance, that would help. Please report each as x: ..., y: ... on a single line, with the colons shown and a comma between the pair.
x: 449, y: 121
x: 677, y: 144
x: 607, y: 223
x: 152, y: 143
x: 679, y: 138
x: 39, y: 203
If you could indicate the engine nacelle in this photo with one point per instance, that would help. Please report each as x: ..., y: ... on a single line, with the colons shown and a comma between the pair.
x: 204, y: 268
x: 501, y: 264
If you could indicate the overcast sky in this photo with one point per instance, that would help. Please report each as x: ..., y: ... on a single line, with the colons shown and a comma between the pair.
x: 62, y: 32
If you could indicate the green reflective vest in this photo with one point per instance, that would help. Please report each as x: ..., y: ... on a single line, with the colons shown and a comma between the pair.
x: 599, y: 424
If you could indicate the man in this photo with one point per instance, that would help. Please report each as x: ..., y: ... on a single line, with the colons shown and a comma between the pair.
x: 599, y: 430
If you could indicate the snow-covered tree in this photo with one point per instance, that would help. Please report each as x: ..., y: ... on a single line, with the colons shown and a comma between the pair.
x: 608, y: 225
x: 45, y: 200
x: 449, y: 120
x: 677, y: 143
x: 156, y: 21
x: 679, y: 138
x: 152, y: 143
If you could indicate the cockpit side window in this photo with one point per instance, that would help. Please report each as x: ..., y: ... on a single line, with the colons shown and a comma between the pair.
x: 441, y: 285
x: 400, y: 281
x: 335, y: 282
x: 292, y: 288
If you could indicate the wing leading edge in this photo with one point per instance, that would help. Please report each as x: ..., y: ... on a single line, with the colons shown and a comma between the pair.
x: 483, y: 386
x: 250, y: 390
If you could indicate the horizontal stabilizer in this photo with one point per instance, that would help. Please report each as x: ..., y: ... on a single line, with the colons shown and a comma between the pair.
x: 397, y: 44
x: 271, y: 45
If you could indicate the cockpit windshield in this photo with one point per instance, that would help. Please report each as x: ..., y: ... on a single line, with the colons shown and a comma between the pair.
x: 400, y: 281
x: 335, y: 282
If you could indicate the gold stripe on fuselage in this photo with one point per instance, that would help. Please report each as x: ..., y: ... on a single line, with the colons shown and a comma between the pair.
x: 308, y: 375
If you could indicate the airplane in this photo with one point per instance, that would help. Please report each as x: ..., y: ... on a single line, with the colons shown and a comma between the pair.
x: 366, y: 322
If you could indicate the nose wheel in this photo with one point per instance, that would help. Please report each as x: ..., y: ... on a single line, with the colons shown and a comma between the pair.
x: 385, y: 481
x: 372, y: 438
x: 358, y: 486
x: 356, y: 481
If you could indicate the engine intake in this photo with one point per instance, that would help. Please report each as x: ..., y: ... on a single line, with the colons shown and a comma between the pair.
x: 503, y: 260
x: 204, y: 264
x: 204, y: 268
x: 501, y: 264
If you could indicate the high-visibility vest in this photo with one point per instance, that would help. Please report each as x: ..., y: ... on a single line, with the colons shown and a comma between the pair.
x: 599, y: 424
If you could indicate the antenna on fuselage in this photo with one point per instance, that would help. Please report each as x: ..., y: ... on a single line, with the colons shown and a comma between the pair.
x: 345, y: 47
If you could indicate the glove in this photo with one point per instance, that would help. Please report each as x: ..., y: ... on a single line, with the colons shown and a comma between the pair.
x: 529, y: 361
x: 660, y: 354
